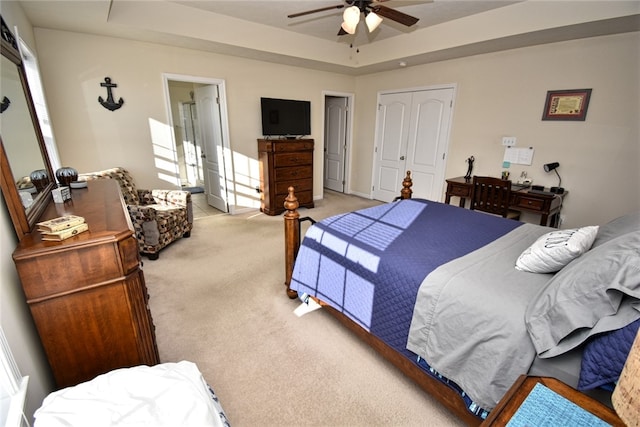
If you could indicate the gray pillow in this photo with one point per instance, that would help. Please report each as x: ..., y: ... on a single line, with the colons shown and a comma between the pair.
x: 597, y: 292
x: 617, y: 227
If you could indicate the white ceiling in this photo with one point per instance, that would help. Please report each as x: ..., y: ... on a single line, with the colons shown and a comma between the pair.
x: 261, y: 30
x: 325, y: 25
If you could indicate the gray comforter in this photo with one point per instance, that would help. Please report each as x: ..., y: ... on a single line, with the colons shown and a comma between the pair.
x: 468, y: 321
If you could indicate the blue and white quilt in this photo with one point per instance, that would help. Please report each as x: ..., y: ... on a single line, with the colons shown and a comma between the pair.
x: 369, y: 264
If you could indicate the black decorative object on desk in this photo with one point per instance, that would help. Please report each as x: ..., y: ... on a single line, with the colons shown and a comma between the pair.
x: 553, y: 167
x: 470, y: 160
x: 66, y: 176
x: 110, y: 104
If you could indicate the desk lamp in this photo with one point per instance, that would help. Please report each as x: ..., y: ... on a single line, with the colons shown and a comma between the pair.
x: 553, y: 167
x: 625, y: 396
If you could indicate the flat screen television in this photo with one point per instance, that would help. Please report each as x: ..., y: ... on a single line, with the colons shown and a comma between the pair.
x: 285, y: 117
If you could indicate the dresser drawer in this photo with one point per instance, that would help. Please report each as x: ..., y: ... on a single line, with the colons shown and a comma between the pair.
x: 298, y: 185
x: 529, y: 203
x: 59, y: 272
x: 305, y: 198
x: 292, y: 159
x: 282, y: 146
x: 288, y: 174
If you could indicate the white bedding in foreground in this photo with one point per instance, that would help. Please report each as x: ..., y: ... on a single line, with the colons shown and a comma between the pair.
x: 169, y: 394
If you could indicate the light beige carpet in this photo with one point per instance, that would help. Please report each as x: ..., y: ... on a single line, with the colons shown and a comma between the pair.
x: 218, y: 299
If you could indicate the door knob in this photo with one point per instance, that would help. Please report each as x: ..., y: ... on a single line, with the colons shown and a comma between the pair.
x: 401, y: 157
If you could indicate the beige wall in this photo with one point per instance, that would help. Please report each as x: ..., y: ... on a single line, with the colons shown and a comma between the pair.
x: 503, y: 94
x: 498, y: 94
x: 91, y: 137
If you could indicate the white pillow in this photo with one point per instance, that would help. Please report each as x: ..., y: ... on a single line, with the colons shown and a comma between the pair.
x: 554, y: 250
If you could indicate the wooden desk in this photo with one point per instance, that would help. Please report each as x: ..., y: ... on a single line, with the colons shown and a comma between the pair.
x: 519, y: 391
x: 547, y: 206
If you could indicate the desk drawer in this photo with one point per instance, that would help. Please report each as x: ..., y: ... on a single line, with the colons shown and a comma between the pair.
x: 529, y: 203
x: 459, y: 190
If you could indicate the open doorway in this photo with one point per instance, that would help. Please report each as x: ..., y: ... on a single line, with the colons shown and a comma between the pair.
x: 338, y: 119
x: 198, y: 119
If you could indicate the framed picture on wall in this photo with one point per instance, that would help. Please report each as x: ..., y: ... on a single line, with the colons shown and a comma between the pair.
x: 570, y: 104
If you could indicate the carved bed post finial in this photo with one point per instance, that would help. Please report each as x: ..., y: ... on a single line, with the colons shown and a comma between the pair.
x: 406, y: 191
x: 291, y: 238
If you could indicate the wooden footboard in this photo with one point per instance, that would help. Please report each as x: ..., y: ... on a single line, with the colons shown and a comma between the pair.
x: 439, y: 391
x: 442, y: 393
x: 292, y: 229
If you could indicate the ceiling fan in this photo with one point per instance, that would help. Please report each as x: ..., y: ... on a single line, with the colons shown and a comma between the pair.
x: 372, y: 11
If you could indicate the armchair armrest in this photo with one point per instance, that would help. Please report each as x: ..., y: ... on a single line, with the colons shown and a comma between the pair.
x: 172, y: 197
x: 145, y: 197
x: 140, y: 214
x: 177, y: 198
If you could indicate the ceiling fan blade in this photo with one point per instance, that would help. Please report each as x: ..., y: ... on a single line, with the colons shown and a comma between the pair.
x: 394, y: 15
x: 322, y: 9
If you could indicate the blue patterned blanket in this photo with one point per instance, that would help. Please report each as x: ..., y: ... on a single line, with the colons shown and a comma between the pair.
x: 370, y: 263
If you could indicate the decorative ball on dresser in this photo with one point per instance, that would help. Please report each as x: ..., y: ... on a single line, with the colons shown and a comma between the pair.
x: 66, y: 175
x: 39, y: 178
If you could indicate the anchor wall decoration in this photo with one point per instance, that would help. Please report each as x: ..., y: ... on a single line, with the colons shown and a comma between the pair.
x: 110, y: 104
x: 4, y: 104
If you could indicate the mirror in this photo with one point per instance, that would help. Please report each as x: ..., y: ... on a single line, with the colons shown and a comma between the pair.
x: 26, y: 176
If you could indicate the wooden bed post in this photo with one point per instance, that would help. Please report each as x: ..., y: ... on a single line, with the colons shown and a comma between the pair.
x: 406, y: 191
x: 291, y: 238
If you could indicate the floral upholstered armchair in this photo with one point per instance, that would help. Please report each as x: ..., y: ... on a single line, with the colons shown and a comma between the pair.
x: 159, y: 216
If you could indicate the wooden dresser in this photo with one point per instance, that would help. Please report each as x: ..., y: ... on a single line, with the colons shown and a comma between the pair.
x: 284, y: 163
x: 87, y: 294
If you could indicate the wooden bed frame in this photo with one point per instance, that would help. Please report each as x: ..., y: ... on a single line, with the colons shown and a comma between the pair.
x: 439, y: 391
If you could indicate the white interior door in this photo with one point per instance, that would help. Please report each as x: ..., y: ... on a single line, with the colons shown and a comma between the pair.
x: 392, y: 129
x: 208, y: 109
x: 335, y: 142
x: 428, y: 141
x: 412, y: 134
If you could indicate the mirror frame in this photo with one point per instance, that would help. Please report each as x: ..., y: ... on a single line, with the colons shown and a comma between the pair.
x: 23, y: 220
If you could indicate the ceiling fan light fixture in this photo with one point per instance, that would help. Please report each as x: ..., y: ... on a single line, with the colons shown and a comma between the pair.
x: 372, y: 20
x: 348, y: 28
x: 351, y: 18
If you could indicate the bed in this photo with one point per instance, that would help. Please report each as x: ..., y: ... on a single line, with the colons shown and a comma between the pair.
x: 435, y: 289
x: 167, y: 394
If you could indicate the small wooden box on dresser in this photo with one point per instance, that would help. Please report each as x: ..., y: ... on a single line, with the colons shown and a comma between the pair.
x: 285, y: 163
x: 87, y: 294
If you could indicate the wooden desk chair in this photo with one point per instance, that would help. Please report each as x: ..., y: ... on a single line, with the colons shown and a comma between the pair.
x: 492, y: 195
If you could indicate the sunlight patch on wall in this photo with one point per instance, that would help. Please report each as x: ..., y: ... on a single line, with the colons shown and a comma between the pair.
x: 165, y: 156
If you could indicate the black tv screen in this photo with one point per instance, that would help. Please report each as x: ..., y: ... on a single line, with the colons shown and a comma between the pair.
x: 285, y: 117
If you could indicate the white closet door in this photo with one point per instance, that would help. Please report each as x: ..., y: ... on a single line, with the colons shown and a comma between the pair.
x: 412, y: 134
x: 428, y: 141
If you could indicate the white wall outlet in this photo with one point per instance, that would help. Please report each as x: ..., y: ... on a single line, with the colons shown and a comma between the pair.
x: 508, y: 141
